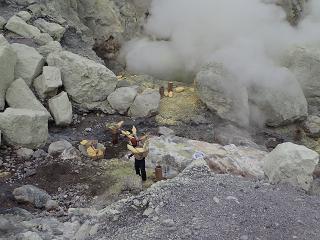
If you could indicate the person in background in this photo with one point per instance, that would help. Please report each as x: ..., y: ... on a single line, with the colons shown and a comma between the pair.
x: 139, y: 162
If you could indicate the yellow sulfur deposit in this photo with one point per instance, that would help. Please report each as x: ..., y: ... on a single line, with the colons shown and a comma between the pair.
x: 100, y: 152
x: 91, y: 152
x: 84, y: 142
x: 120, y: 123
x: 170, y: 94
x: 192, y: 90
x: 134, y: 130
x: 132, y: 149
x: 179, y: 89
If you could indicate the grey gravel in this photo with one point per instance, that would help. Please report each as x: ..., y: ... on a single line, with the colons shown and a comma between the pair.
x: 247, y: 209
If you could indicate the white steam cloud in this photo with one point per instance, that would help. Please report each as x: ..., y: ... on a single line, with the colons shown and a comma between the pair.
x: 248, y: 36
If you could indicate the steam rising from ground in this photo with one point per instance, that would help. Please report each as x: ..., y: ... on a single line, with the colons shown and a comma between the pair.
x: 248, y: 36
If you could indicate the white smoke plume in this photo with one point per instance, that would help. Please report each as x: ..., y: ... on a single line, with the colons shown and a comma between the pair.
x: 248, y: 36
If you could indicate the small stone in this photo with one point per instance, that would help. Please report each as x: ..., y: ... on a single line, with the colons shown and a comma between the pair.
x: 216, y: 200
x: 244, y: 237
x: 148, y: 212
x: 168, y: 223
x: 51, y: 205
x: 136, y: 202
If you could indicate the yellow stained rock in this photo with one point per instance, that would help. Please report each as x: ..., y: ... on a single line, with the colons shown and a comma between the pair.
x: 192, y: 90
x: 170, y: 94
x: 179, y: 89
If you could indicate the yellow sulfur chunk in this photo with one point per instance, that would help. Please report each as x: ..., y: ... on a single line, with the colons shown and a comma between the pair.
x: 170, y: 94
x: 192, y: 90
x: 134, y: 130
x: 179, y: 89
x: 146, y: 146
x: 84, y: 142
x: 120, y: 123
x: 100, y: 152
x: 140, y: 150
x: 91, y: 152
x: 132, y: 149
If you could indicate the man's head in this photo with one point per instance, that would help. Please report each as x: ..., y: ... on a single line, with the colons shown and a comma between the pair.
x: 134, y: 142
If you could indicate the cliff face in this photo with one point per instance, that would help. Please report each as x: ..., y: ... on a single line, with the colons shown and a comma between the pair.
x: 294, y: 9
x: 101, y: 25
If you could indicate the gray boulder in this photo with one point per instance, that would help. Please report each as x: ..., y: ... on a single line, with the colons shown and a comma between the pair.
x: 282, y: 105
x: 29, y: 62
x: 131, y: 183
x: 52, y: 46
x: 51, y: 205
x: 29, y: 235
x: 218, y: 88
x: 5, y: 225
x: 20, y: 96
x: 61, y: 109
x: 146, y: 104
x: 312, y: 126
x: 165, y: 131
x: 58, y: 147
x: 24, y: 127
x: 31, y: 194
x: 48, y: 82
x: 17, y: 25
x: 84, y: 80
x: 291, y: 163
x: 304, y: 62
x: 43, y: 39
x: 122, y: 99
x: 53, y: 29
x: 7, y: 63
x: 24, y: 15
x: 25, y: 153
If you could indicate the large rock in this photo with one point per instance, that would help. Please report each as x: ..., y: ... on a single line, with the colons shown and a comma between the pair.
x: 58, y: 147
x: 312, y: 126
x: 122, y: 99
x: 17, y: 25
x: 293, y: 9
x: 175, y: 153
x: 218, y: 88
x: 304, y: 61
x: 29, y: 62
x: 24, y: 127
x: 146, y: 104
x: 52, y: 46
x: 291, y: 163
x: 282, y: 105
x: 132, y: 184
x: 31, y: 194
x: 84, y: 80
x: 61, y: 109
x: 19, y: 95
x: 43, y: 39
x: 24, y: 15
x: 53, y: 29
x: 7, y: 63
x: 48, y: 82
